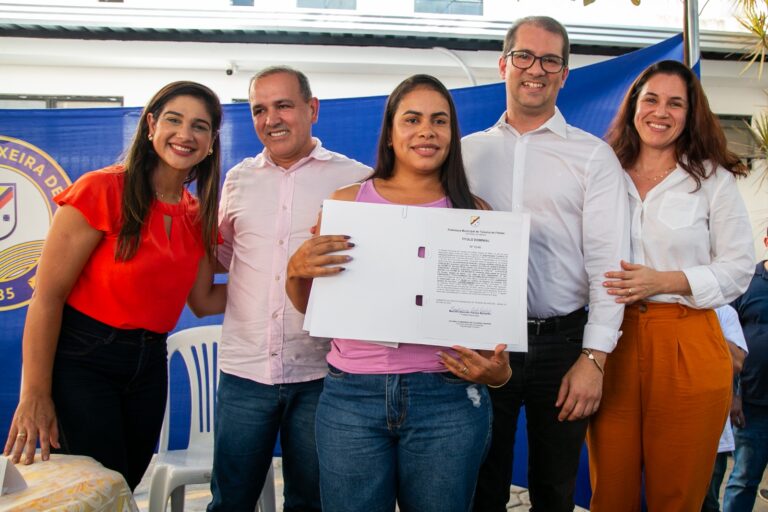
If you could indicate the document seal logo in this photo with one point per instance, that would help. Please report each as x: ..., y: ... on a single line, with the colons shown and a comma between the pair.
x: 29, y: 178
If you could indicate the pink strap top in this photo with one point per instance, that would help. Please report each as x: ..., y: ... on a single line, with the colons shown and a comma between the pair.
x: 355, y: 356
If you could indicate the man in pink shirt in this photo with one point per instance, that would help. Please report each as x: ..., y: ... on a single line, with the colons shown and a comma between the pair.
x: 271, y: 370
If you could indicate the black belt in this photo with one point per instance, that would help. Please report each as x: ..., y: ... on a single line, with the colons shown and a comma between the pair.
x: 555, y: 324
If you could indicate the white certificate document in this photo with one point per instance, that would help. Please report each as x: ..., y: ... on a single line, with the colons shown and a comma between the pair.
x: 434, y: 276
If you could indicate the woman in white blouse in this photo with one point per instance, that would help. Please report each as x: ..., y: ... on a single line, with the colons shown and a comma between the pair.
x: 667, y: 386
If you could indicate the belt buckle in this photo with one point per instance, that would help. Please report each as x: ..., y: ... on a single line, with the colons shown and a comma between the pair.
x: 538, y: 322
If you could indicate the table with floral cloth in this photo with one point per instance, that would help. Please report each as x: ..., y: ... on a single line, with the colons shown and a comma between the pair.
x: 70, y: 483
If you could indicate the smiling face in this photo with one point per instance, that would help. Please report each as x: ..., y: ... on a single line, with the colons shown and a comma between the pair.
x: 421, y: 131
x: 182, y: 133
x: 660, y: 114
x: 532, y: 92
x: 283, y: 118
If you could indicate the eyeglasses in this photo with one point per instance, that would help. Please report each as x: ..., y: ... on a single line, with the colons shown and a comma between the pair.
x: 524, y: 60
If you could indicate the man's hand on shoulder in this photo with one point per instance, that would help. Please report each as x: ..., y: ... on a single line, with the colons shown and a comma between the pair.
x: 581, y: 388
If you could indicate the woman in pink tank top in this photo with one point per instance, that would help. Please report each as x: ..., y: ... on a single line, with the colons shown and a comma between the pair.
x: 406, y: 425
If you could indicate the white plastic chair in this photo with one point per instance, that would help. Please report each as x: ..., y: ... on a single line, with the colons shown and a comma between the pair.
x: 174, y: 469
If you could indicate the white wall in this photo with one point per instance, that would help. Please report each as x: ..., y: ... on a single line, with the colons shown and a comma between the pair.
x: 754, y: 190
x: 731, y: 90
x: 136, y: 69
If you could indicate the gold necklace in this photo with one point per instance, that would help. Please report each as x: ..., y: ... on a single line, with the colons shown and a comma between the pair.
x: 654, y: 177
x: 171, y: 198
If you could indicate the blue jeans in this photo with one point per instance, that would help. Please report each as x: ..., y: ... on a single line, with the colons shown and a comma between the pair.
x: 749, y: 459
x: 248, y: 418
x: 109, y: 388
x: 415, y: 438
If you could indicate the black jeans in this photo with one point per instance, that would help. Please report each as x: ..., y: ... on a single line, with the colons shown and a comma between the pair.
x: 553, y: 446
x: 109, y: 388
x: 712, y: 499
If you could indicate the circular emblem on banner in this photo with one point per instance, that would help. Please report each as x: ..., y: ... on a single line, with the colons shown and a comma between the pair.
x: 29, y: 178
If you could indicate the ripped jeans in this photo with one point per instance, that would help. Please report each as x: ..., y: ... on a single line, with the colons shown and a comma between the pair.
x: 414, y: 438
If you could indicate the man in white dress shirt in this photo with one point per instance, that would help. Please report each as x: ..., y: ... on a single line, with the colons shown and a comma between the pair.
x: 573, y: 186
x: 271, y: 370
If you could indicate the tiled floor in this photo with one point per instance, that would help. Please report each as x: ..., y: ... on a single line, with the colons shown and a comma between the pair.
x: 198, y: 496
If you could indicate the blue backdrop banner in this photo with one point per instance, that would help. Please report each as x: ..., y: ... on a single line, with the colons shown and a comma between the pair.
x: 42, y: 151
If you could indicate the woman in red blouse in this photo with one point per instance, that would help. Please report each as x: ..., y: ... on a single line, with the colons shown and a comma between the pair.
x: 127, y: 246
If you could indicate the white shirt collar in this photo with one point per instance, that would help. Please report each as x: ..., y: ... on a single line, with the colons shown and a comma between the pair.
x: 555, y: 124
x: 317, y: 153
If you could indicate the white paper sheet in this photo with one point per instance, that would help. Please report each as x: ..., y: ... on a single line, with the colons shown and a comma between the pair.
x: 10, y: 479
x: 475, y: 277
x: 468, y: 289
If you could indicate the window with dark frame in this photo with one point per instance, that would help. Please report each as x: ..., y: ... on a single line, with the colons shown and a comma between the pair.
x: 740, y: 141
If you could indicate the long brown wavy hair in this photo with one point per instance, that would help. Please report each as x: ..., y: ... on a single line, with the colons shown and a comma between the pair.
x: 702, y: 137
x: 141, y: 159
x: 452, y: 175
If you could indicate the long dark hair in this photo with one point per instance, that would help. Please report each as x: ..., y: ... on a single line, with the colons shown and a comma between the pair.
x: 141, y: 160
x: 702, y: 137
x: 452, y: 175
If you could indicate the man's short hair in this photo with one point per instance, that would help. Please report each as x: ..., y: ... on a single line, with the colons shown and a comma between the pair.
x: 543, y: 22
x: 304, y: 89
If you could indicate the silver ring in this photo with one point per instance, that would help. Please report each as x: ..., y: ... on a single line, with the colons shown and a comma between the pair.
x: 465, y: 370
x: 21, y: 435
x: 629, y: 291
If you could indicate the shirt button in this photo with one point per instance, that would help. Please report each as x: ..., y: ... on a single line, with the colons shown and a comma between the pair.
x: 274, y: 315
x: 277, y: 277
x: 273, y: 354
x: 281, y: 242
x: 285, y: 207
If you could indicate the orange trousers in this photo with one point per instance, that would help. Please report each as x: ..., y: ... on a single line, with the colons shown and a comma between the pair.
x: 666, y: 395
